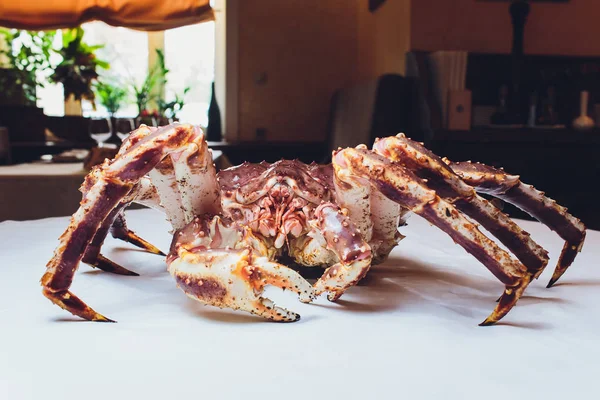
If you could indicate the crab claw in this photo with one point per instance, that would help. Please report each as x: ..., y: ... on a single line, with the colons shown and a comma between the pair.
x: 353, y: 253
x: 236, y: 279
x: 337, y: 279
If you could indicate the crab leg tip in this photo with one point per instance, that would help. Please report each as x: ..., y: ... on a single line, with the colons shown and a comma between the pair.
x: 555, y: 277
x: 491, y: 320
x: 488, y: 322
x: 507, y: 301
x: 102, y: 318
x: 294, y: 318
x: 73, y: 304
x: 107, y: 265
x: 566, y: 258
x: 142, y: 243
x: 334, y: 296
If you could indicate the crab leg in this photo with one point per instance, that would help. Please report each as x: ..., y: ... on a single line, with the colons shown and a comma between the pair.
x: 451, y: 188
x: 196, y: 178
x: 220, y: 264
x: 403, y: 186
x: 111, y: 183
x: 92, y: 254
x: 163, y: 179
x: 186, y: 183
x: 143, y: 191
x: 375, y: 216
x: 115, y: 223
x: 509, y: 188
x: 352, y: 251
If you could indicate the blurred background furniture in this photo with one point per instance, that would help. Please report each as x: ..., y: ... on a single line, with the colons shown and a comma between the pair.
x: 32, y: 191
x: 548, y: 153
x: 380, y: 107
x: 560, y: 160
x: 43, y: 189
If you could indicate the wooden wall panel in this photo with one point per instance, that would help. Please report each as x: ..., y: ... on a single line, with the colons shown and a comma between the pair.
x: 302, y: 51
x: 294, y: 54
x: 383, y: 38
x: 570, y: 28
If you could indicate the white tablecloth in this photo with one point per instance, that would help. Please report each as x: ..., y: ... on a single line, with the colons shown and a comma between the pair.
x: 409, y: 332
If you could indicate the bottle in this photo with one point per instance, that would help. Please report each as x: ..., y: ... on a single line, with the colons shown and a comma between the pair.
x: 213, y: 130
x: 532, y: 110
x: 583, y: 122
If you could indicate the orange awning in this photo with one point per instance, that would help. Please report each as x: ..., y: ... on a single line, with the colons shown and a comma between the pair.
x: 149, y: 15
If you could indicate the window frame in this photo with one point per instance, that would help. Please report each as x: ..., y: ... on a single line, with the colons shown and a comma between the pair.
x: 226, y: 63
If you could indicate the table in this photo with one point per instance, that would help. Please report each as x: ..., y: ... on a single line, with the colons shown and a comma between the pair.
x: 25, y: 189
x: 237, y: 152
x: 410, y: 331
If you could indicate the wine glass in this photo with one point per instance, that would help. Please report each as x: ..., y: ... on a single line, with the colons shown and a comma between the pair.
x: 147, y: 120
x: 124, y: 127
x: 100, y: 130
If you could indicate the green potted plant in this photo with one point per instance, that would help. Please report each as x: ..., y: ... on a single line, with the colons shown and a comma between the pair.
x: 111, y: 96
x: 22, y: 68
x: 151, y: 90
x: 143, y: 94
x: 148, y: 91
x: 169, y: 109
x: 78, y: 69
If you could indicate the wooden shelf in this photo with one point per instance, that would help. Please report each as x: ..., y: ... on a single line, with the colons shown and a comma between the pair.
x: 521, y: 135
x: 564, y: 163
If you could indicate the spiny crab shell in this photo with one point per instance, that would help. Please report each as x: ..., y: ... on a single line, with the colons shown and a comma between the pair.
x: 276, y: 200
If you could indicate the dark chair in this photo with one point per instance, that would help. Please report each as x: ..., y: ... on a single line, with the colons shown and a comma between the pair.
x: 72, y: 128
x: 382, y: 107
x: 25, y: 124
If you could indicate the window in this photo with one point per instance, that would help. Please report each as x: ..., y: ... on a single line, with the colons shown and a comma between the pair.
x: 127, y: 52
x: 189, y: 55
x: 190, y: 58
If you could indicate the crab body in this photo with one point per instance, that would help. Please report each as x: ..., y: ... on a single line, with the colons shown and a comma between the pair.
x: 230, y: 229
x: 279, y: 203
x: 276, y: 201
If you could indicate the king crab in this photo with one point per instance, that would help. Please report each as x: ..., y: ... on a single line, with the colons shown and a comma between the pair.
x: 231, y: 228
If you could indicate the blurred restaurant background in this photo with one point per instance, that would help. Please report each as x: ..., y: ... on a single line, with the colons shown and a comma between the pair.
x: 513, y: 84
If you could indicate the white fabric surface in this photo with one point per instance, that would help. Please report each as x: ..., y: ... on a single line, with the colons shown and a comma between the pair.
x: 409, y: 332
